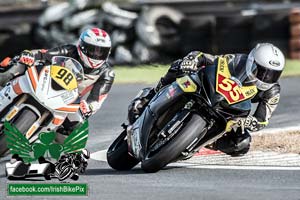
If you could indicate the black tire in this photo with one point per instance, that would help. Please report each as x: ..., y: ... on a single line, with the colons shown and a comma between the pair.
x: 23, y: 122
x: 47, y: 174
x: 118, y: 157
x: 172, y: 150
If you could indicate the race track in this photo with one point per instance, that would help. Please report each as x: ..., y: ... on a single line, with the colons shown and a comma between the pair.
x: 179, y: 182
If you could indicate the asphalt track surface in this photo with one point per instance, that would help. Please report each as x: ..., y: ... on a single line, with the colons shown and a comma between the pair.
x: 181, y: 182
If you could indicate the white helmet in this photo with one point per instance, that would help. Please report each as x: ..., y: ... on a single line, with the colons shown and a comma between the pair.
x: 265, y: 64
x: 94, y: 47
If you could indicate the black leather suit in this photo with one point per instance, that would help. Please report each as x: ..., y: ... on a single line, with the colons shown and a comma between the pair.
x: 236, y: 143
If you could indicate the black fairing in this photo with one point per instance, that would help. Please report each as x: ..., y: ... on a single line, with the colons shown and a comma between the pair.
x: 218, y: 102
x: 161, y: 102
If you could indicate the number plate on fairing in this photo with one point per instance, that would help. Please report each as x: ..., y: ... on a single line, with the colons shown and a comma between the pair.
x: 228, y: 88
x: 63, y: 77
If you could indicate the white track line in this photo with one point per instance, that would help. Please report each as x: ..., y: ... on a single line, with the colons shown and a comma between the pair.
x: 99, y: 155
x: 277, y: 130
x: 194, y: 166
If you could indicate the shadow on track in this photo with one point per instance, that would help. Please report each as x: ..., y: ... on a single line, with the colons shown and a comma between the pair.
x: 109, y: 171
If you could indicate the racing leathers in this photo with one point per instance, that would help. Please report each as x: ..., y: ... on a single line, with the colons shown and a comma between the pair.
x: 93, y: 89
x: 237, y: 142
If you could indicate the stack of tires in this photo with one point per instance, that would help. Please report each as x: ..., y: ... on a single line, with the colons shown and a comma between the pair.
x: 272, y: 28
x: 295, y: 33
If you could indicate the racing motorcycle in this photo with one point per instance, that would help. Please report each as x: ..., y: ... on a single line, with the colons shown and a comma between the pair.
x: 192, y: 112
x: 40, y: 99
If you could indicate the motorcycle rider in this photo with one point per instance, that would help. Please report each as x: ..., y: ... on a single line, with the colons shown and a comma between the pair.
x: 92, y: 51
x: 268, y: 62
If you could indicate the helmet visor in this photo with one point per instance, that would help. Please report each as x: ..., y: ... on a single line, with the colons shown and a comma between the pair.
x: 94, y: 52
x: 267, y: 75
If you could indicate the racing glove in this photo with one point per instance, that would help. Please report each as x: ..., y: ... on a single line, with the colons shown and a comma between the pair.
x: 85, y: 108
x: 251, y: 123
x: 27, y: 58
x: 189, y: 63
x: 89, y: 109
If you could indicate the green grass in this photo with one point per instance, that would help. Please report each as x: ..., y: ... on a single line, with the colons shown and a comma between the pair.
x: 152, y: 74
x: 292, y: 68
x: 141, y: 74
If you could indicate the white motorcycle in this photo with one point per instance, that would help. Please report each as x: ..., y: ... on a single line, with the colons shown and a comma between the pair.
x: 40, y: 99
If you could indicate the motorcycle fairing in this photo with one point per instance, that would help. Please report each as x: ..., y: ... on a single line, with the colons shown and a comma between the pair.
x: 63, y: 77
x: 230, y: 87
x: 142, y: 127
x: 41, y: 88
x: 186, y: 84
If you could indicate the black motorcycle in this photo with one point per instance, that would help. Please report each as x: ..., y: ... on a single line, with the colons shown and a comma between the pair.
x: 192, y: 112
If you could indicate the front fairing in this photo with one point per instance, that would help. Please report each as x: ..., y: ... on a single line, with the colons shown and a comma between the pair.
x: 141, y: 129
x: 218, y: 101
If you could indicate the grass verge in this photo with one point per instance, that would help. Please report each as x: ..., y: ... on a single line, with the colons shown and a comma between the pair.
x: 151, y: 74
x: 281, y: 142
x: 141, y: 74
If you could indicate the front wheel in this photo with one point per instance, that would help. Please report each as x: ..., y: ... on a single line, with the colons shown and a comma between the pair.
x: 172, y: 150
x: 118, y: 157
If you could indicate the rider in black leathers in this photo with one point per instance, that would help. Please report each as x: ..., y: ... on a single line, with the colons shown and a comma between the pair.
x: 237, y: 142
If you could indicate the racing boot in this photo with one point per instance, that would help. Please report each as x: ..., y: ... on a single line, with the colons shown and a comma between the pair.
x: 234, y: 143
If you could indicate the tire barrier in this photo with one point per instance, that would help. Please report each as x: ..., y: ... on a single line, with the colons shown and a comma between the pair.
x: 294, y: 43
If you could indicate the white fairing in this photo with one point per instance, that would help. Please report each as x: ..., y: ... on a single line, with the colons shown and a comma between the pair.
x: 59, y: 102
x: 47, y: 96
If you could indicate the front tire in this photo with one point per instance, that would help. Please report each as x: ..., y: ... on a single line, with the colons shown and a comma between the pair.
x: 172, y: 150
x: 118, y: 157
x: 23, y: 122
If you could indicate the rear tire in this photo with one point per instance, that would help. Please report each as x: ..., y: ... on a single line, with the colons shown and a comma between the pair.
x: 23, y: 122
x: 118, y: 157
x: 172, y: 150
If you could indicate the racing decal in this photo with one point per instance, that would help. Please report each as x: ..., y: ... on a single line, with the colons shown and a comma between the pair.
x: 11, y: 113
x: 186, y: 84
x: 5, y: 62
x: 57, y: 120
x: 63, y: 77
x: 274, y: 100
x: 33, y: 77
x: 70, y: 108
x: 16, y: 87
x: 7, y: 92
x: 45, y: 72
x: 32, y: 130
x: 228, y: 86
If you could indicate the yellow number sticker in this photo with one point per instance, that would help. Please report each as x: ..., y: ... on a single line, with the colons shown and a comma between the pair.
x: 63, y: 77
x: 228, y: 88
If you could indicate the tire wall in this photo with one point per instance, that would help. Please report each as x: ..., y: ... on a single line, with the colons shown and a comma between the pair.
x: 234, y: 34
x: 294, y: 44
x: 272, y: 28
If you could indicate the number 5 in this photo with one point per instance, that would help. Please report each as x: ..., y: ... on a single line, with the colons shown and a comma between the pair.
x: 226, y: 84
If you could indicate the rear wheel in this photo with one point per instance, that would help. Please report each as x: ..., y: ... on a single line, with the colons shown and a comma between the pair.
x: 23, y: 122
x: 172, y: 150
x: 118, y: 157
